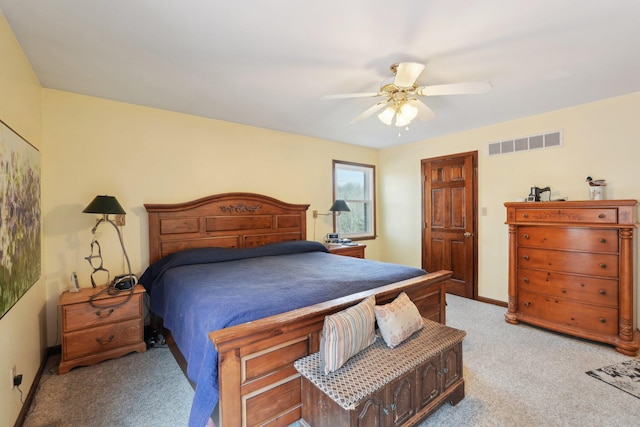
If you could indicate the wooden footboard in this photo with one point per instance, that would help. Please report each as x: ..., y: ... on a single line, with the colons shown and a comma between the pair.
x: 258, y: 383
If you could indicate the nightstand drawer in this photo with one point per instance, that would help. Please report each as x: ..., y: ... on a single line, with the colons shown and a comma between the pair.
x: 84, y: 315
x: 102, y: 338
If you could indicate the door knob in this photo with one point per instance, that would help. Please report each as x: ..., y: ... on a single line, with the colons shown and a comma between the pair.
x: 467, y: 234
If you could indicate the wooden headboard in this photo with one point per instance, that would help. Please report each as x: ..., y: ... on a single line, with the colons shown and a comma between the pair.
x: 230, y: 220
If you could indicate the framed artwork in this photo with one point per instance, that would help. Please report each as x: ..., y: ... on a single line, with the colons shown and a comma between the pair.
x: 20, y: 239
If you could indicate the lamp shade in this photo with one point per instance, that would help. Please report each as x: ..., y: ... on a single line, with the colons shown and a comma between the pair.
x: 340, y: 206
x: 104, y: 205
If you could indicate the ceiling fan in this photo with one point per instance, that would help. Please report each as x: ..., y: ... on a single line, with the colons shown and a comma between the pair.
x: 401, y: 95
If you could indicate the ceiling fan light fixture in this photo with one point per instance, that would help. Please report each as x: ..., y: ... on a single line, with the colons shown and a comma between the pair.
x: 386, y: 116
x: 402, y: 120
x: 399, y: 102
x: 408, y: 111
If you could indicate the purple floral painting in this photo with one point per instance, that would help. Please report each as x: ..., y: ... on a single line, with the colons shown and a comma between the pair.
x: 20, y: 259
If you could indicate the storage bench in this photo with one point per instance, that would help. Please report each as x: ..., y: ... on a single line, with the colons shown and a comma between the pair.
x: 381, y: 386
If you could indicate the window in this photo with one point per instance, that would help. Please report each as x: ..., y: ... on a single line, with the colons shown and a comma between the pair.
x: 355, y: 184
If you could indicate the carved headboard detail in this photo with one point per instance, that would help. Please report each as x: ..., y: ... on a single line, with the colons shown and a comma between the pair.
x: 230, y: 220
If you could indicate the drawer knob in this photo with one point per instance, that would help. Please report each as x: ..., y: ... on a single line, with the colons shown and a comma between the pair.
x: 526, y: 257
x: 603, y: 320
x: 527, y: 304
x: 105, y: 341
x: 393, y: 406
x: 603, y: 292
x: 601, y: 215
x: 526, y: 236
x: 603, y: 240
x: 103, y: 315
x: 603, y: 265
x: 525, y: 215
x: 525, y: 280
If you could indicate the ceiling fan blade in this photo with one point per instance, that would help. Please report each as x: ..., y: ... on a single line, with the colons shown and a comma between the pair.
x: 352, y: 95
x: 407, y: 73
x: 370, y: 111
x: 424, y: 113
x: 454, y: 89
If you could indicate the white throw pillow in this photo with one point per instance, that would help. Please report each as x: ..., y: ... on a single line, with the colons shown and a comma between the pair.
x: 398, y: 320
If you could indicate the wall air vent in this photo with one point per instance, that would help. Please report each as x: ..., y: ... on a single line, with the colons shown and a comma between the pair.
x: 527, y: 143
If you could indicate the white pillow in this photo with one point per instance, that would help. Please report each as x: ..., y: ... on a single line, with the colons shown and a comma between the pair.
x: 398, y: 320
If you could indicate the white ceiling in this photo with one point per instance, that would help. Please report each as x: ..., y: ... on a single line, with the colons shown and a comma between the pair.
x: 267, y: 63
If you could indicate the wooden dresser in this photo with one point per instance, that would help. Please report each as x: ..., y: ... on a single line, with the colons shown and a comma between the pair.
x: 104, y: 330
x: 571, y: 269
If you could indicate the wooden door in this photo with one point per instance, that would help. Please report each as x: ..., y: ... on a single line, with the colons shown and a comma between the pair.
x: 449, y: 238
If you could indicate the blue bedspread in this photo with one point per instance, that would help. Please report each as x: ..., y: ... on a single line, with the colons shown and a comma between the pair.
x: 201, y: 290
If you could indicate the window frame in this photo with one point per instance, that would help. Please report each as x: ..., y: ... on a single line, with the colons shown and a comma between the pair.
x: 370, y: 171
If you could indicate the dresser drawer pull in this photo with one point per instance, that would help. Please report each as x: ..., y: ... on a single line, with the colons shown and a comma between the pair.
x: 602, y: 216
x: 527, y: 304
x: 525, y: 279
x: 603, y: 320
x: 603, y: 240
x: 526, y: 236
x: 603, y: 265
x: 107, y: 341
x: 525, y: 215
x: 102, y: 315
x: 526, y: 257
x: 603, y: 292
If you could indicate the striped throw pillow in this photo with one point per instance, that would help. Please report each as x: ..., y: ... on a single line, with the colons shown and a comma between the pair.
x: 346, y: 333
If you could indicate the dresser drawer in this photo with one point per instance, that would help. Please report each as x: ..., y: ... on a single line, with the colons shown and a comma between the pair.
x: 603, y: 265
x: 84, y: 315
x: 574, y: 216
x: 102, y: 338
x: 585, y: 239
x: 579, y: 288
x: 568, y: 313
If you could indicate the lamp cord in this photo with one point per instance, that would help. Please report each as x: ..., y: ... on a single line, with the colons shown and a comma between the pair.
x: 112, y: 290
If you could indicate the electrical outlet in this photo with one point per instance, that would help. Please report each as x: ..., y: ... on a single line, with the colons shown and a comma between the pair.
x: 12, y: 374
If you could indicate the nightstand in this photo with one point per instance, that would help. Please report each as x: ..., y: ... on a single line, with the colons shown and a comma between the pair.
x: 356, y: 251
x: 93, y: 333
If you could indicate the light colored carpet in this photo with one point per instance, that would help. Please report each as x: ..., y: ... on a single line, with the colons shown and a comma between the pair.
x: 516, y: 375
x: 146, y: 389
x: 519, y: 375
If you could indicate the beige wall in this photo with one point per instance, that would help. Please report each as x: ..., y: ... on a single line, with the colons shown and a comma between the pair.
x: 601, y: 139
x: 142, y: 155
x: 22, y: 328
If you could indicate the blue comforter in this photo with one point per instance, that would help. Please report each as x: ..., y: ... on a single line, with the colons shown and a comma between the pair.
x: 201, y: 290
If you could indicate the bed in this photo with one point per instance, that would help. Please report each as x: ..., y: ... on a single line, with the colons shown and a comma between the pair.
x: 237, y: 350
